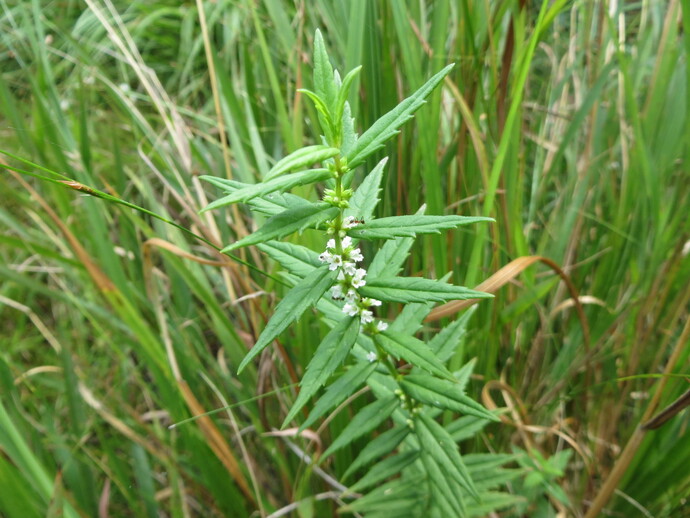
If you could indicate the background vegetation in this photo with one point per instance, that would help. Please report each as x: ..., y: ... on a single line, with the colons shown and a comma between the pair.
x: 567, y: 122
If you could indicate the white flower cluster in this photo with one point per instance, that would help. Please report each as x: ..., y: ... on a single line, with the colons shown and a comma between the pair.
x: 344, y: 258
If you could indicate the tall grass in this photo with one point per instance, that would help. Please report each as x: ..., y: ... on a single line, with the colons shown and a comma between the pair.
x: 566, y: 121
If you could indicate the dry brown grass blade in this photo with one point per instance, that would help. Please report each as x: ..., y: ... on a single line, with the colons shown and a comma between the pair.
x: 216, y: 441
x: 503, y: 277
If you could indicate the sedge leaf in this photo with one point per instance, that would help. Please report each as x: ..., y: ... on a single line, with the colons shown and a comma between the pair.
x: 417, y: 289
x: 339, y: 391
x: 387, y: 126
x: 410, y: 226
x: 363, y: 422
x: 305, y: 294
x: 443, y: 394
x: 303, y: 157
x: 282, y: 184
x: 287, y: 222
x: 327, y: 358
x: 412, y: 350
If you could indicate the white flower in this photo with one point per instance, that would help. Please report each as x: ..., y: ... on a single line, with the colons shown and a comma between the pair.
x: 326, y: 257
x: 381, y: 326
x: 358, y: 279
x: 356, y: 255
x: 337, y: 291
x: 349, y: 268
x: 350, y: 309
x: 373, y: 302
x: 347, y: 241
x: 366, y: 316
x: 371, y: 356
x: 351, y: 295
x: 349, y: 222
x: 331, y: 244
x: 341, y: 276
x: 336, y: 261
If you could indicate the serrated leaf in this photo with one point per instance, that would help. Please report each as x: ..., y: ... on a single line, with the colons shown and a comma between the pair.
x: 391, y: 497
x: 348, y: 133
x: 363, y: 422
x: 417, y: 289
x: 414, y: 351
x: 492, y: 501
x: 466, y: 427
x: 447, y: 494
x: 323, y: 113
x: 387, y: 126
x: 273, y: 204
x: 446, y: 342
x: 329, y: 355
x: 287, y: 222
x: 380, y: 446
x: 282, y: 184
x: 365, y: 198
x: 301, y: 158
x: 305, y: 294
x: 385, y: 469
x: 339, y: 391
x: 343, y: 93
x: 296, y: 259
x: 410, y: 226
x: 443, y: 394
x: 440, y: 446
x: 324, y: 82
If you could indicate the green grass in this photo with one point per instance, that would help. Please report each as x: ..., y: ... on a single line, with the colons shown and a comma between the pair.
x: 567, y: 122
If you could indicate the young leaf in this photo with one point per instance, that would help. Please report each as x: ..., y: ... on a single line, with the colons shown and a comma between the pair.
x: 412, y: 350
x: 305, y: 294
x: 282, y: 184
x: 410, y: 226
x: 339, y: 391
x: 287, y: 222
x: 348, y: 136
x: 296, y: 259
x: 324, y: 114
x: 443, y: 394
x: 382, y: 445
x: 324, y: 82
x: 303, y: 157
x: 386, y: 468
x: 363, y: 422
x: 387, y: 126
x: 440, y: 446
x: 366, y: 196
x: 417, y: 289
x: 343, y: 93
x: 327, y: 358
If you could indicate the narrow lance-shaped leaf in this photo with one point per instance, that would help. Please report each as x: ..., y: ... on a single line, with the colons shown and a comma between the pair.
x: 296, y: 259
x: 446, y: 491
x: 339, y: 391
x: 412, y: 350
x: 440, y: 446
x: 417, y: 289
x: 387, y: 126
x: 301, y: 158
x: 328, y: 357
x: 298, y: 299
x: 443, y: 394
x: 366, y: 197
x: 287, y: 222
x: 363, y: 422
x: 386, y: 468
x: 410, y: 226
x: 382, y: 445
x: 343, y: 93
x: 281, y: 184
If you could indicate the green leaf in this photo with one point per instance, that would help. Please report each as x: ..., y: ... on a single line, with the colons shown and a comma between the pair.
x: 395, y: 498
x: 363, y: 422
x: 348, y: 136
x: 443, y: 394
x: 417, y: 289
x: 410, y: 226
x: 324, y: 82
x: 328, y: 357
x: 339, y: 391
x: 324, y: 114
x: 385, y: 469
x: 438, y: 443
x: 287, y: 222
x: 382, y: 445
x: 343, y: 93
x: 387, y: 126
x: 447, y: 495
x: 303, y: 157
x: 366, y: 196
x: 296, y: 259
x: 445, y: 343
x: 282, y: 184
x: 305, y: 294
x: 412, y: 350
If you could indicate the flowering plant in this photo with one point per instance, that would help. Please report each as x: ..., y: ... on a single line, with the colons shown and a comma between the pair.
x: 407, y: 375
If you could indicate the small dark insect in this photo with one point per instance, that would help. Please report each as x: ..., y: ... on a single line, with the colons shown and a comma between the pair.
x: 358, y: 221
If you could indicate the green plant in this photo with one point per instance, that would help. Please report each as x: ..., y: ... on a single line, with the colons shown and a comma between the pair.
x: 408, y: 376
